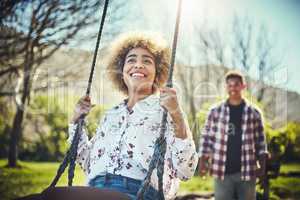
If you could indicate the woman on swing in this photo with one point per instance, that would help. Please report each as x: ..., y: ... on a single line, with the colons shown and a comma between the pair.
x: 117, y: 157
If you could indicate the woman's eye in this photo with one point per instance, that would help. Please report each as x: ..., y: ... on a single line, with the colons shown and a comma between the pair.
x: 148, y: 61
x: 132, y: 60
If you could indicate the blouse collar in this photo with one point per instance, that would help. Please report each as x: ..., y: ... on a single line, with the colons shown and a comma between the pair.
x: 147, y: 101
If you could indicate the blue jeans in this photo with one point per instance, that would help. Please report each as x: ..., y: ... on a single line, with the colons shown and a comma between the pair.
x: 123, y: 184
x: 232, y: 187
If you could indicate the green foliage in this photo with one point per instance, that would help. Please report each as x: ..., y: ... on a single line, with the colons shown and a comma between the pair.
x: 285, y: 142
x: 93, y: 119
x: 290, y: 167
x: 44, y: 130
x: 286, y: 187
x: 45, y: 127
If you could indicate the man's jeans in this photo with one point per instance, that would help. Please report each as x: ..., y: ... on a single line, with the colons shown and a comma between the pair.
x: 123, y: 184
x: 233, y: 188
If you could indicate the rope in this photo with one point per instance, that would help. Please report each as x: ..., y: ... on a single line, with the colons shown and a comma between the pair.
x: 158, y: 157
x: 71, y: 154
x: 96, y: 48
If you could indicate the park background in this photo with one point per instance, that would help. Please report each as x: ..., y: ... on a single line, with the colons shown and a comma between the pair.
x: 46, y: 52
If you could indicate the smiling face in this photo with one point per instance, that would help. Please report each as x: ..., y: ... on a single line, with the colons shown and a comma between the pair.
x: 234, y: 87
x: 139, y: 70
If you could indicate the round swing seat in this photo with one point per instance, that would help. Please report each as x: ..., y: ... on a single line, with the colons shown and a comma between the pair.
x: 77, y: 193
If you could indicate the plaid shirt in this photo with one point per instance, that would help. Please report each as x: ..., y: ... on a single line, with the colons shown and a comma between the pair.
x: 213, y: 142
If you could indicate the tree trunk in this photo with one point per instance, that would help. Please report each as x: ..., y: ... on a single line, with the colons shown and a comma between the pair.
x: 15, y: 134
x: 16, y: 131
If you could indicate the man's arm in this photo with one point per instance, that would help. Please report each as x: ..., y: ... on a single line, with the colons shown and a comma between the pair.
x: 205, y: 145
x: 260, y: 144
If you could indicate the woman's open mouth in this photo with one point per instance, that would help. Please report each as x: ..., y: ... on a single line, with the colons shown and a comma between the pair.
x: 138, y: 75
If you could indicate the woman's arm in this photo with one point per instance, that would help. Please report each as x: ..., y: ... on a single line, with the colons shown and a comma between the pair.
x: 85, y: 145
x: 181, y: 152
x: 168, y: 99
x: 181, y: 131
x: 181, y: 156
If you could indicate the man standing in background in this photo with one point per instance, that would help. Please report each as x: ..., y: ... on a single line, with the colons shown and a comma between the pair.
x: 232, y: 142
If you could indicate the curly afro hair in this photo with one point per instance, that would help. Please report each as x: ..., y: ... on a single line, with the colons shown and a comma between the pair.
x: 153, y: 43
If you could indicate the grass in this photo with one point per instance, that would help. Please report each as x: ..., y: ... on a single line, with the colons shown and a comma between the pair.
x: 197, y: 184
x: 33, y: 177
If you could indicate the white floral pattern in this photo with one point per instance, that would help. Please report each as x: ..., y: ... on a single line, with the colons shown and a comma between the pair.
x: 124, y: 144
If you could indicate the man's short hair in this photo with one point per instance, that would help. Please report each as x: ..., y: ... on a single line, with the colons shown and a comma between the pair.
x: 235, y: 74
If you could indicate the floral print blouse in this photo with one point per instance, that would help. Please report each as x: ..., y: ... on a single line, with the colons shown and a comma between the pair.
x: 124, y: 144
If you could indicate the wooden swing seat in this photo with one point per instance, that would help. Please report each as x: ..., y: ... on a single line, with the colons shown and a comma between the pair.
x: 76, y: 193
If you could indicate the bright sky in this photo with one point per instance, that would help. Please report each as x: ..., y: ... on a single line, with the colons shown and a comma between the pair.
x: 282, y: 18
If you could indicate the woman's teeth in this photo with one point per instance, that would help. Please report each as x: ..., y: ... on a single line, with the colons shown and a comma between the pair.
x: 138, y: 75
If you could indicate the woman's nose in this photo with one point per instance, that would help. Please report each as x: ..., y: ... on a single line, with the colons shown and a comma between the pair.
x: 139, y: 65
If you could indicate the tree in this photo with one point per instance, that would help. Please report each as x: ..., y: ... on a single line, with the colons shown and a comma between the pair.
x: 31, y: 34
x: 244, y: 46
x: 253, y: 49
